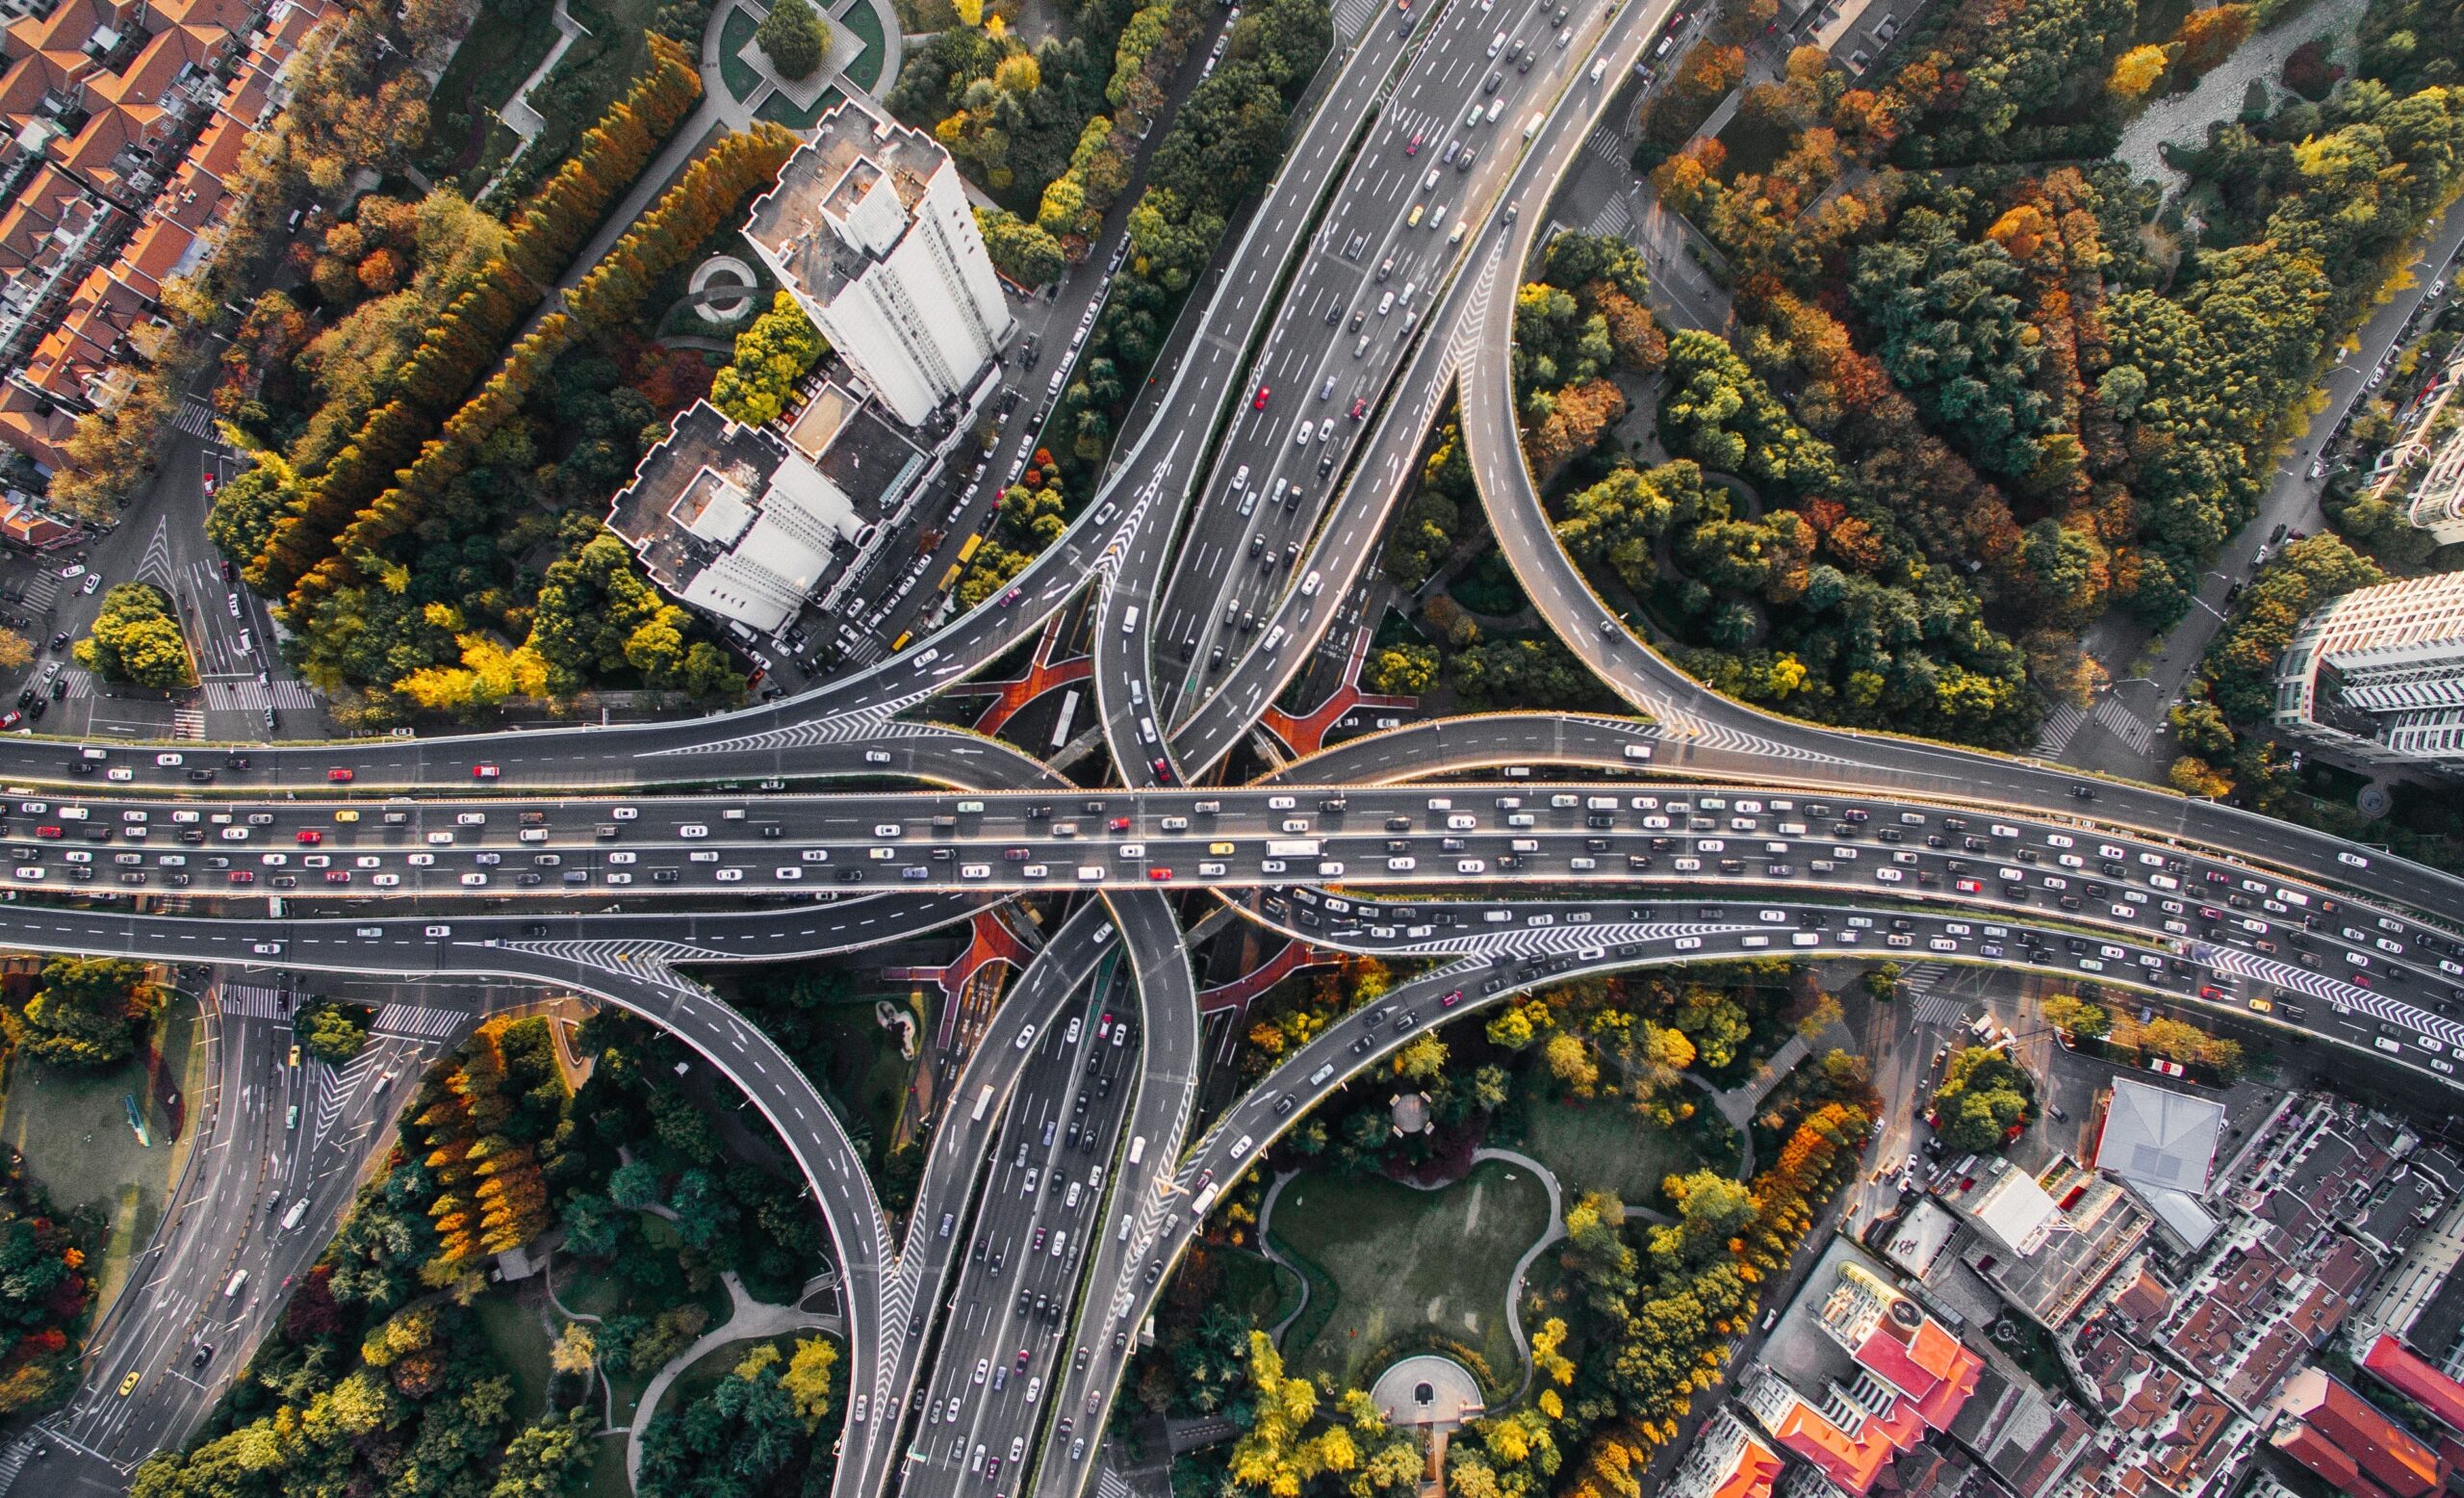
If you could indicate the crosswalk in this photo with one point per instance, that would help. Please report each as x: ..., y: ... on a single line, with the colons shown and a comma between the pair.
x: 1109, y: 1484
x: 187, y: 723
x: 1615, y: 218
x: 252, y: 1001
x: 2127, y: 726
x: 420, y: 1022
x: 2061, y: 725
x: 1607, y: 144
x: 14, y: 1460
x: 43, y: 591
x: 195, y: 418
x: 1352, y: 17
x: 1916, y: 985
x: 246, y: 694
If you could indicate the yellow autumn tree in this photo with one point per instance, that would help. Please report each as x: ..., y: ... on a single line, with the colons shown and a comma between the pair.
x: 2136, y: 71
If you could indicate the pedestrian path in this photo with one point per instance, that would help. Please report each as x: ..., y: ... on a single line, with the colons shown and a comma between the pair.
x: 423, y: 1021
x: 251, y: 1002
x: 1927, y: 1007
x: 2060, y: 726
x: 247, y: 694
x: 1615, y: 218
x: 195, y: 418
x: 2127, y: 726
x: 187, y: 723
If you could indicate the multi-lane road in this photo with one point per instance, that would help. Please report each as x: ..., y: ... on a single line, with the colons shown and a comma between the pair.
x: 988, y: 1334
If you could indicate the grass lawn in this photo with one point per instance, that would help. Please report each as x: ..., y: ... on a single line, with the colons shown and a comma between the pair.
x: 492, y: 60
x: 513, y: 1331
x: 778, y: 109
x: 1602, y: 1146
x: 740, y: 76
x: 866, y: 1071
x: 71, y: 1125
x: 865, y: 22
x: 1254, y: 1287
x: 1405, y: 1261
x: 607, y: 1479
x: 1752, y: 145
x: 716, y: 1364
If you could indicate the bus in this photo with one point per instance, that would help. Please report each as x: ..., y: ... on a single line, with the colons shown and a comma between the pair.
x: 982, y: 1103
x: 1292, y: 848
x: 967, y: 552
x: 1137, y: 1150
x: 949, y: 579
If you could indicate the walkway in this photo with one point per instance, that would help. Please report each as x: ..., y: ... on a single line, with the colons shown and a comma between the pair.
x: 518, y: 115
x: 750, y: 1319
x: 1237, y: 994
x: 1043, y: 674
x: 1307, y: 736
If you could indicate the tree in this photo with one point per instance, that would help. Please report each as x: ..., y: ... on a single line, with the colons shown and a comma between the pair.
x: 2208, y: 38
x: 2076, y: 1016
x: 794, y: 37
x: 331, y: 1030
x: 86, y: 1012
x: 2135, y: 72
x: 1403, y: 670
x: 17, y: 651
x: 1021, y: 250
x: 136, y: 639
x: 575, y: 1351
x: 1984, y: 1096
x: 780, y: 348
x: 809, y: 1379
x: 547, y: 1459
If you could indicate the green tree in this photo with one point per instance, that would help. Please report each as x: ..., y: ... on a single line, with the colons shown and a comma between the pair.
x: 1404, y: 669
x: 1982, y: 1096
x: 794, y: 37
x: 136, y: 639
x: 2076, y: 1016
x: 548, y: 1460
x: 86, y: 1011
x: 1019, y: 249
x: 331, y: 1030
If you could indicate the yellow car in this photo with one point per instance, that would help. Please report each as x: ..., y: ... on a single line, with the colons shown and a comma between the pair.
x: 128, y: 1385
x: 1220, y: 849
x: 345, y: 816
x: 295, y: 1055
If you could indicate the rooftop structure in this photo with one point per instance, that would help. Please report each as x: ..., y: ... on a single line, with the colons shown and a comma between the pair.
x: 2060, y: 1261
x: 2377, y: 676
x: 734, y: 521
x: 1724, y: 1462
x: 2349, y: 1441
x: 2158, y: 1138
x: 869, y: 229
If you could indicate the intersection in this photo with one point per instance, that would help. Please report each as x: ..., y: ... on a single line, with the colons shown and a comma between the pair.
x: 1509, y: 850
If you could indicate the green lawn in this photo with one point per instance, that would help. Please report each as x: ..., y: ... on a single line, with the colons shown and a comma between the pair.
x: 71, y: 1125
x: 498, y: 54
x: 740, y: 76
x: 778, y: 109
x: 865, y: 22
x: 1602, y: 1146
x: 1407, y: 1261
x: 1257, y: 1289
x: 514, y: 1335
x: 867, y: 1073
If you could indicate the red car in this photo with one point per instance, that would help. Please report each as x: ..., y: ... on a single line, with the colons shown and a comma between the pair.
x: 49, y: 833
x: 1359, y: 408
x: 1159, y: 875
x: 1118, y: 824
x: 1450, y: 1000
x: 308, y: 837
x: 1162, y: 769
x: 485, y: 772
x: 338, y: 876
x: 339, y: 777
x: 1414, y: 149
x: 243, y: 876
x: 1260, y: 403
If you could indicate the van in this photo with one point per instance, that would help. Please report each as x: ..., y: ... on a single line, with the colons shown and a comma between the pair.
x: 238, y: 1283
x: 1129, y: 620
x: 1531, y: 126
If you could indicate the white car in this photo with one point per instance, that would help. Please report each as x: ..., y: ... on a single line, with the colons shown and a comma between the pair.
x: 787, y: 874
x: 728, y: 875
x: 385, y: 881
x: 432, y: 931
x: 170, y: 761
x: 473, y: 881
x: 119, y: 772
x: 702, y: 856
x: 693, y: 830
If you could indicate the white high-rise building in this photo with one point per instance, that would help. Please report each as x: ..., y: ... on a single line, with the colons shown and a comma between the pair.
x: 870, y: 231
x: 2378, y: 675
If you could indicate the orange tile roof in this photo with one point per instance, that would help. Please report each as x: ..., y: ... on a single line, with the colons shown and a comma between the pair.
x: 2410, y: 1376
x: 150, y: 257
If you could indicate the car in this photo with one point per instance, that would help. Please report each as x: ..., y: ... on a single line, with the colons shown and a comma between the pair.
x: 128, y: 1385
x: 1359, y: 408
x: 1414, y: 147
x: 485, y: 772
x: 340, y: 777
x: 72, y: 571
x: 1258, y: 401
x: 94, y: 581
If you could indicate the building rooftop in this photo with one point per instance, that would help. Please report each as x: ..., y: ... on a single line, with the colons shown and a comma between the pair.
x: 829, y: 215
x: 2155, y: 1137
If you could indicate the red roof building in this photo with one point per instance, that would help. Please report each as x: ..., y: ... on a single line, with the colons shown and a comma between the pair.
x: 2397, y: 1366
x: 2349, y: 1441
x: 1724, y: 1462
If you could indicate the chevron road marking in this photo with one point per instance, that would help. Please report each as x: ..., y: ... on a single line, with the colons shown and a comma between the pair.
x: 855, y: 726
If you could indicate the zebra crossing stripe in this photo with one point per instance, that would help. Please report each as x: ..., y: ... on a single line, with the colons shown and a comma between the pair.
x: 251, y: 1002
x: 2126, y: 725
x: 2060, y: 725
x: 420, y: 1022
